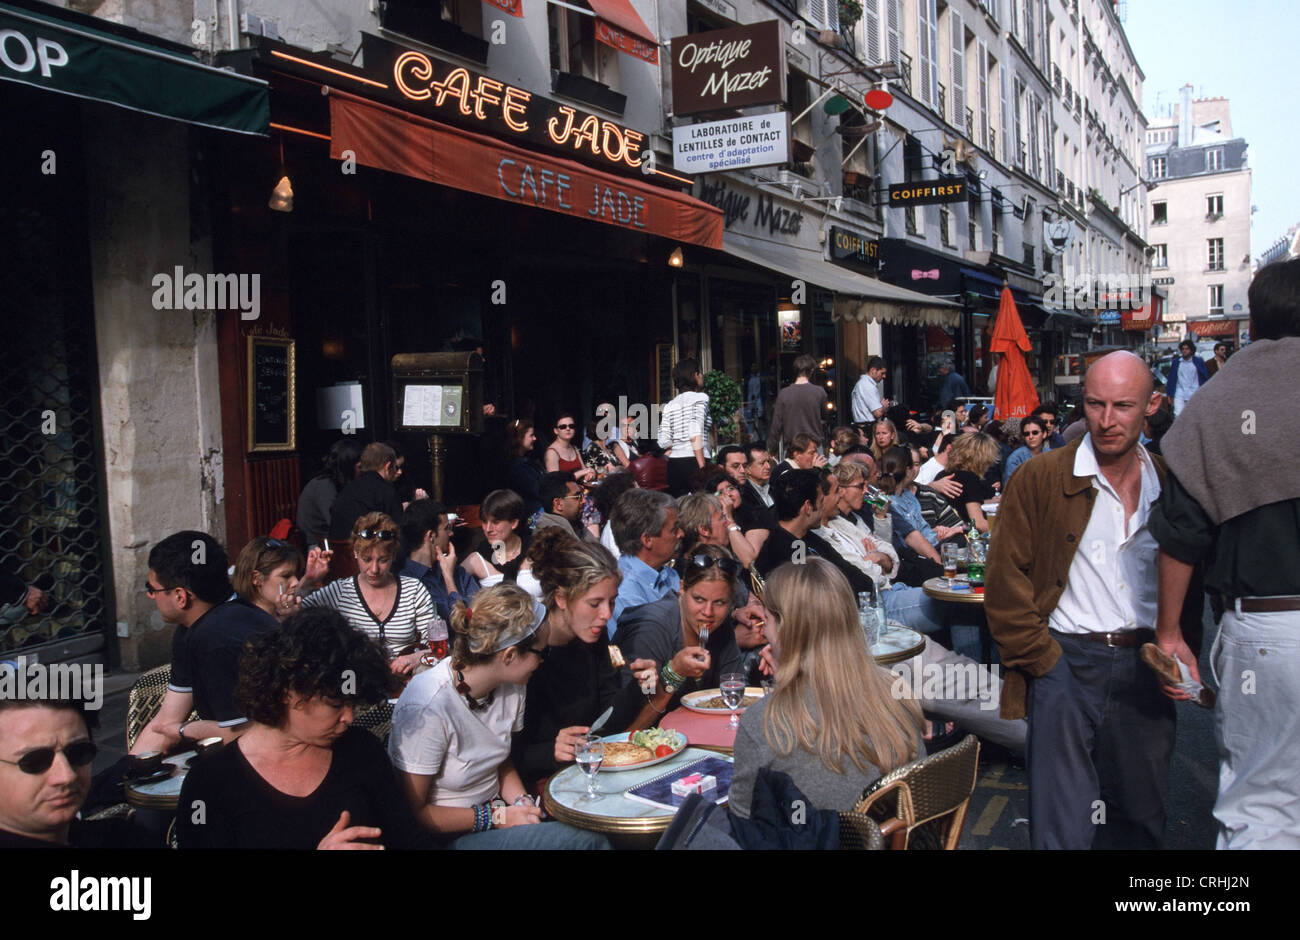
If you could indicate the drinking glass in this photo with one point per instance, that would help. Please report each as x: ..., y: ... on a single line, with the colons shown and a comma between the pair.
x: 949, y: 554
x: 733, y: 693
x: 590, y: 754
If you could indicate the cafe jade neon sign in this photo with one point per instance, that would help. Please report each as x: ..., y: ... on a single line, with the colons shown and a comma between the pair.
x: 494, y: 105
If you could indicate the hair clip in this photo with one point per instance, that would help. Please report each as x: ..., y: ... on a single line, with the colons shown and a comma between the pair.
x: 469, y: 612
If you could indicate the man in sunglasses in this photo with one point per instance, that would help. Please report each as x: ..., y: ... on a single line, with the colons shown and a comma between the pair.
x: 562, y: 504
x: 188, y: 583
x: 1047, y: 411
x: 45, y: 756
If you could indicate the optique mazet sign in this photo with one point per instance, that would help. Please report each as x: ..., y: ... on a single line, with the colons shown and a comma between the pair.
x: 726, y: 69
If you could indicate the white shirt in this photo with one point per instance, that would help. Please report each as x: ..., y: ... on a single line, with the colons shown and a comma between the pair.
x: 684, y: 417
x: 607, y: 539
x: 868, y: 395
x: 1112, y: 583
x: 763, y: 490
x: 1188, y: 382
x: 435, y: 733
x: 929, y: 470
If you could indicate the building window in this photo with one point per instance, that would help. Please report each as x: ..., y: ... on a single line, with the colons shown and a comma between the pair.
x: 1159, y: 213
x: 573, y: 46
x: 1158, y: 166
x: 1160, y: 256
x: 945, y: 227
x: 1214, y: 159
x: 1216, y: 300
x: 1215, y: 246
x: 1214, y: 205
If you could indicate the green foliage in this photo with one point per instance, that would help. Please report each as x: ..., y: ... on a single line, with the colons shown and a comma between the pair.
x: 850, y: 12
x: 724, y: 401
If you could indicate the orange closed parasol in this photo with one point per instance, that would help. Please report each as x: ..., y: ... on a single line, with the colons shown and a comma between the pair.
x: 1015, y: 396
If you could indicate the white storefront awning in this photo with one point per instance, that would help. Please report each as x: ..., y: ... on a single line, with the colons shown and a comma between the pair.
x: 857, y: 297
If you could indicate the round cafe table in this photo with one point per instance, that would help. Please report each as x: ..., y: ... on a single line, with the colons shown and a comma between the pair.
x: 939, y: 590
x: 163, y: 795
x: 614, y: 814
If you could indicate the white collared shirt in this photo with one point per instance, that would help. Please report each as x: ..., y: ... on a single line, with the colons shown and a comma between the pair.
x: 762, y: 490
x: 1112, y: 582
x: 866, y: 399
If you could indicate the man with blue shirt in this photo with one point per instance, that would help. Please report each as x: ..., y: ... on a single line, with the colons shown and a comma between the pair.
x: 644, y: 524
x: 430, y: 557
x: 951, y: 385
x: 1185, y: 376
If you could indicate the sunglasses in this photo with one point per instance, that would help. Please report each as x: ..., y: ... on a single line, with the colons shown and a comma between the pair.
x: 380, y: 535
x: 539, y: 653
x: 151, y: 590
x: 275, y: 543
x: 565, y: 427
x: 726, y: 565
x: 42, y: 759
x: 571, y: 496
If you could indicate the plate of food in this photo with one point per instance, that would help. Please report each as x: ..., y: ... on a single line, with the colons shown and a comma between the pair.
x: 709, y: 701
x: 641, y: 748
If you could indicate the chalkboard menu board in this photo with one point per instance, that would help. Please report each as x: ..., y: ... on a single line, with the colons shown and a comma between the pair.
x: 271, y: 403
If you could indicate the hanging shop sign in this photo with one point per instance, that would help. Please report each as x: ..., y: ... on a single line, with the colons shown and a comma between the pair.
x: 852, y: 250
x: 728, y: 68
x: 759, y: 140
x: 462, y: 97
x: 753, y: 212
x: 513, y: 7
x: 1057, y: 235
x: 927, y: 194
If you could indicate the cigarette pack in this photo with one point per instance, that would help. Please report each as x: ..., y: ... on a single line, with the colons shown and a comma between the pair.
x: 694, y: 783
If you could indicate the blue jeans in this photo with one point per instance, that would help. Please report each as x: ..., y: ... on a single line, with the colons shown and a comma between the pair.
x: 913, y: 608
x: 547, y: 835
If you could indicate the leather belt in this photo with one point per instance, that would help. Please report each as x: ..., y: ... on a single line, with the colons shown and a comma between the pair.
x: 1264, y: 605
x: 1126, y: 639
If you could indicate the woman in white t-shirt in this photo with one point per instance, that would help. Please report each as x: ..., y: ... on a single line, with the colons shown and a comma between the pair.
x: 683, y: 427
x: 452, y: 730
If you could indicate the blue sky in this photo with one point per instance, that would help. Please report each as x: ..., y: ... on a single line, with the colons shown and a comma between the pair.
x: 1246, y: 52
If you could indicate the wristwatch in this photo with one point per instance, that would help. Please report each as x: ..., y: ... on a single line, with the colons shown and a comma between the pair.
x: 180, y: 730
x: 734, y: 528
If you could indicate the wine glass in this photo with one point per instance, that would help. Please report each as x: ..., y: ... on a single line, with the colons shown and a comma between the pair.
x: 733, y: 693
x: 590, y: 754
x: 949, y: 554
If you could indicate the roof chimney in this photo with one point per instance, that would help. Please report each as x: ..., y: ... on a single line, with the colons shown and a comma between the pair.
x: 1185, y: 117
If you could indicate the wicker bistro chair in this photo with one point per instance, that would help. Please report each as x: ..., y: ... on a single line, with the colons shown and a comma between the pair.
x: 922, y: 805
x: 145, y: 699
x: 860, y: 832
x: 377, y: 719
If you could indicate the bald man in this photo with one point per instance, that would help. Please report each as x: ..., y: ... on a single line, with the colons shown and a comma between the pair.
x: 1071, y: 597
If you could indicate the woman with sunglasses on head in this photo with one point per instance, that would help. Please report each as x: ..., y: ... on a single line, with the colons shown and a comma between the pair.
x: 578, y: 681
x: 831, y: 722
x: 1033, y: 431
x: 690, y: 637
x: 453, y: 727
x: 563, y: 454
x: 267, y: 575
x: 301, y: 776
x: 397, y: 612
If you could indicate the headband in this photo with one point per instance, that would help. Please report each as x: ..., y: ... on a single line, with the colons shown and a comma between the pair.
x: 539, y: 615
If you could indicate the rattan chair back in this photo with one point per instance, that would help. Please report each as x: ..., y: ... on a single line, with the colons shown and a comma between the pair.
x: 377, y: 719
x: 144, y: 700
x: 929, y: 797
x: 859, y: 832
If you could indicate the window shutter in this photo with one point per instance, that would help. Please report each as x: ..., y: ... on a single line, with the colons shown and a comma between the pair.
x: 983, y: 67
x: 817, y: 13
x: 871, y: 13
x: 1020, y: 126
x: 958, y: 70
x: 892, y: 21
x: 1006, y: 114
x: 928, y: 51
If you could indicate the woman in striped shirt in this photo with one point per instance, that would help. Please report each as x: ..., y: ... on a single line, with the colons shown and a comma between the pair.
x: 683, y: 425
x: 394, y: 611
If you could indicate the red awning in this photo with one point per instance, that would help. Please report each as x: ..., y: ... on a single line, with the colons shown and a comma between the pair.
x: 626, y: 23
x: 391, y: 139
x: 1213, y: 327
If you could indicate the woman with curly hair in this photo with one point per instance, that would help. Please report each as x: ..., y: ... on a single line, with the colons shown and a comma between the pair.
x: 831, y: 722
x: 969, y: 458
x: 453, y: 726
x: 301, y: 777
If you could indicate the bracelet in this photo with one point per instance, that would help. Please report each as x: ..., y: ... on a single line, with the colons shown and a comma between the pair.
x: 650, y: 700
x: 482, y: 817
x: 671, y: 679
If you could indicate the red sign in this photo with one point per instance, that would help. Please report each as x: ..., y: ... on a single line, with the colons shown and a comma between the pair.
x: 513, y: 7
x: 616, y: 38
x: 1213, y: 327
x: 878, y: 99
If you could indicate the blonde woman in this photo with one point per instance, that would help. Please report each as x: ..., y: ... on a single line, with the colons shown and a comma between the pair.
x: 453, y: 727
x: 831, y: 723
x: 883, y: 436
x: 969, y: 458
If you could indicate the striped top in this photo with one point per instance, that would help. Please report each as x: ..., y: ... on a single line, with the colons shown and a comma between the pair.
x: 406, y: 625
x: 684, y: 417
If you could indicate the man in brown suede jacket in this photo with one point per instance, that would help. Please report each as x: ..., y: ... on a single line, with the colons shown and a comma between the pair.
x: 1070, y: 598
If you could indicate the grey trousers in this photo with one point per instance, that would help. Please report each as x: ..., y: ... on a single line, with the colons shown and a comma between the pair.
x: 1101, y: 734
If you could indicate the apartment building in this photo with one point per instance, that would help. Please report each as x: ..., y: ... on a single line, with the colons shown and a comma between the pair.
x: 1200, y: 219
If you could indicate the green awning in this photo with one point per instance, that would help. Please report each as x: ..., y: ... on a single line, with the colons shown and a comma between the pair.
x: 63, y: 56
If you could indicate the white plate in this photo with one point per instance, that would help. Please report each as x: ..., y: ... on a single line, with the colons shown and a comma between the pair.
x: 627, y: 736
x: 688, y: 701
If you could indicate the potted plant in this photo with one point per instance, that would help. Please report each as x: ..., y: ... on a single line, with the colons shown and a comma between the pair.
x: 724, y: 405
x: 850, y: 12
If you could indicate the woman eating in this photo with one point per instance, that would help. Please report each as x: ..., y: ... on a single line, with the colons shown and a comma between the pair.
x: 1033, y: 430
x: 453, y: 725
x: 394, y: 611
x: 563, y: 454
x: 683, y: 427
x: 969, y: 458
x: 301, y: 777
x: 578, y: 680
x: 831, y: 722
x: 690, y: 637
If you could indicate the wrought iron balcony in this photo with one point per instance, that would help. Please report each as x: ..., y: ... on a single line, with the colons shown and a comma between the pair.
x: 942, y: 106
x: 970, y: 123
x: 907, y: 71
